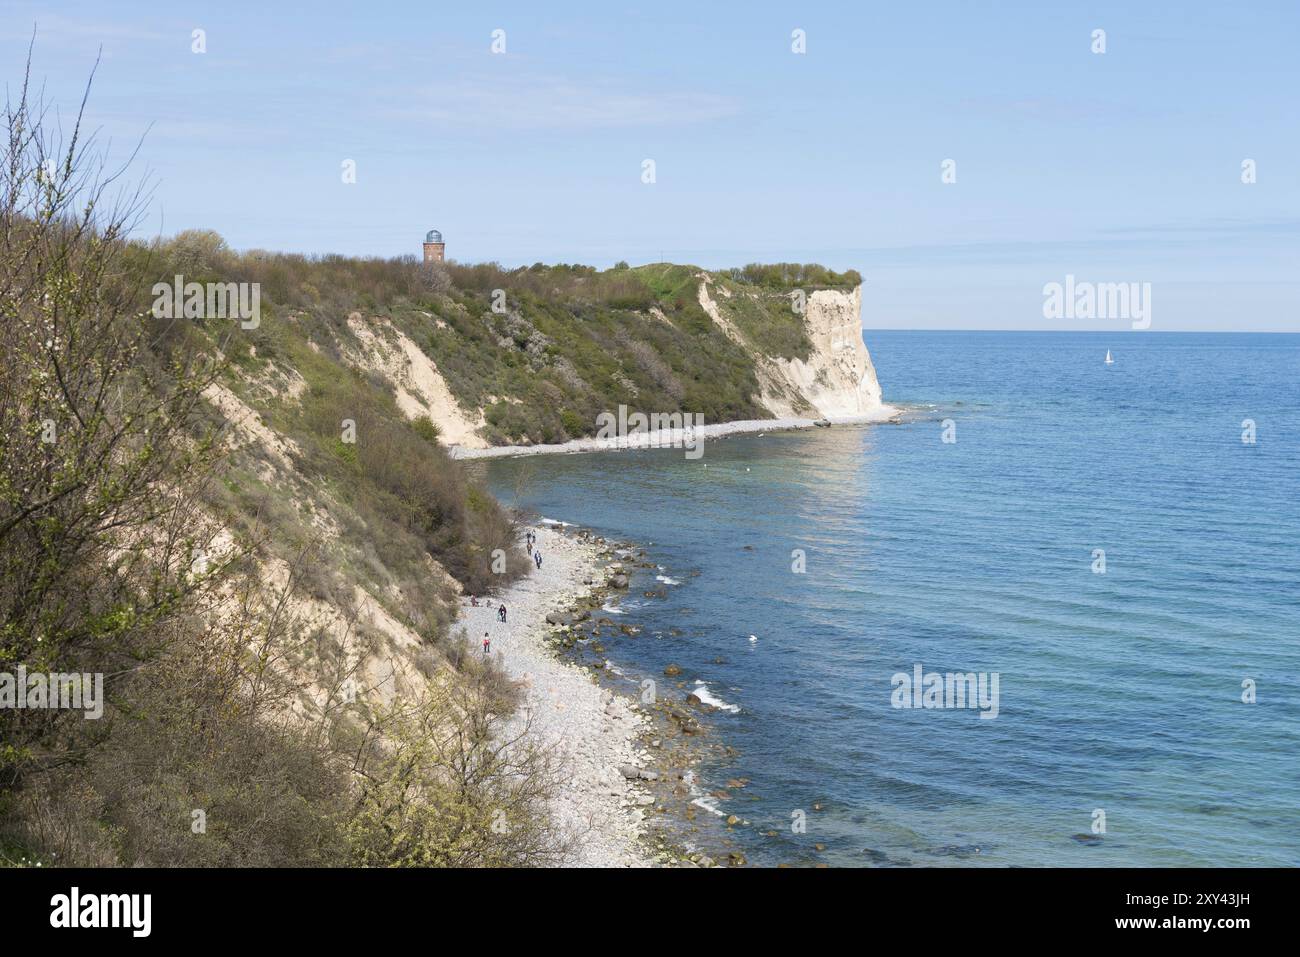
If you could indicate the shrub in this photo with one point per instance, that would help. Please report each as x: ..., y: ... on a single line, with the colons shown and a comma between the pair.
x: 426, y: 429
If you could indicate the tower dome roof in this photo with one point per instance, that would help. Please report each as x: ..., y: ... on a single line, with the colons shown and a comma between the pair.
x: 433, y: 236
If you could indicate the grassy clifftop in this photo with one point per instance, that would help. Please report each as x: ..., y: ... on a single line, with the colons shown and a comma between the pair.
x: 541, y: 351
x: 571, y: 342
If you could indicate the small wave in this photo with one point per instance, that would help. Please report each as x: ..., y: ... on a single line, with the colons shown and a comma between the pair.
x: 556, y: 521
x: 667, y: 580
x: 707, y: 697
x: 698, y: 797
x: 709, y: 803
x: 612, y: 609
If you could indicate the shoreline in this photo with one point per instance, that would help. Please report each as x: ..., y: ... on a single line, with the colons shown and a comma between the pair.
x: 672, y: 438
x: 596, y: 731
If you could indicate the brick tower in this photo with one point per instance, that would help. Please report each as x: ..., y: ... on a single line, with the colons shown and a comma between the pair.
x: 434, y: 247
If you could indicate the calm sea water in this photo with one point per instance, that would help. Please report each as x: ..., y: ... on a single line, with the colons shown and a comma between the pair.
x: 1118, y: 692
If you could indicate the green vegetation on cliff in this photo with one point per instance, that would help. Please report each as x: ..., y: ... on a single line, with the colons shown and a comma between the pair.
x: 247, y: 556
x: 543, y: 350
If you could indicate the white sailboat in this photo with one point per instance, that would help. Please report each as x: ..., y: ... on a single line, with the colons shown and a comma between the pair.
x: 1109, y: 360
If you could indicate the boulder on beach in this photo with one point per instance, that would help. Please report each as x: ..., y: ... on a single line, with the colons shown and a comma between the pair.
x: 696, y: 701
x: 686, y: 724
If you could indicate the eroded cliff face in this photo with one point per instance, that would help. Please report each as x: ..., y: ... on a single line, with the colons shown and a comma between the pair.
x: 837, y: 380
x: 352, y: 632
x: 458, y: 361
x: 419, y: 388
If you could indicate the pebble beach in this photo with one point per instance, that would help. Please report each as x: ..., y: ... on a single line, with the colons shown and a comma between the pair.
x: 594, y: 729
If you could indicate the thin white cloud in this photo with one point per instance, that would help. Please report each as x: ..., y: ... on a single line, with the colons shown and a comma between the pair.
x: 55, y: 26
x: 532, y: 103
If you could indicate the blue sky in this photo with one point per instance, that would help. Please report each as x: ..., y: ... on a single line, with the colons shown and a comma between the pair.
x: 1123, y: 166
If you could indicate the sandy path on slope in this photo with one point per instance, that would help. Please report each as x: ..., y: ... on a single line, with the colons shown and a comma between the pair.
x: 420, y: 387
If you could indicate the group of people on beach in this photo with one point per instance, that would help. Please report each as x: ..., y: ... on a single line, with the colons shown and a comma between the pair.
x: 530, y: 540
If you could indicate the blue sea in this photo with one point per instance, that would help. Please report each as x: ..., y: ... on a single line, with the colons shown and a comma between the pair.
x: 1120, y: 694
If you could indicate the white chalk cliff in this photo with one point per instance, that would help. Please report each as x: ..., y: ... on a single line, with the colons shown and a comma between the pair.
x: 836, y: 382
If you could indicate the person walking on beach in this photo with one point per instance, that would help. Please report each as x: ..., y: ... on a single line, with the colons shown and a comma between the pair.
x: 537, y: 557
x: 487, y: 644
x: 501, y: 613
